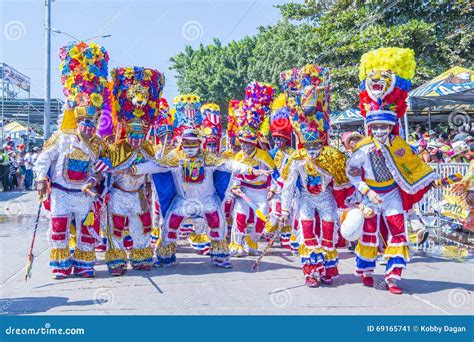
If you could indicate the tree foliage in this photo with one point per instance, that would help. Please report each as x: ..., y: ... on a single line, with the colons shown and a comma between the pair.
x: 333, y: 34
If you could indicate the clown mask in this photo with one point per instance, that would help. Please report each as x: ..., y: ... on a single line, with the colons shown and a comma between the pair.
x: 247, y: 148
x: 381, y: 132
x: 313, y: 149
x: 211, y: 146
x: 191, y: 148
x: 135, y: 139
x: 280, y: 142
x: 86, y: 127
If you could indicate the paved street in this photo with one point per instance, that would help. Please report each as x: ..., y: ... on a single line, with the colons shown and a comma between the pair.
x: 434, y: 286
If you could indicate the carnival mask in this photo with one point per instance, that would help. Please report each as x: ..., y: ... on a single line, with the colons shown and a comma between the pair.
x: 279, y: 142
x: 191, y: 148
x: 379, y: 83
x: 138, y: 95
x: 211, y: 146
x: 86, y: 127
x: 314, y: 151
x: 247, y: 148
x: 135, y: 139
x: 381, y: 132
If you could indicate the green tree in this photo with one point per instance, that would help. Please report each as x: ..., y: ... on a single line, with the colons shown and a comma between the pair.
x: 333, y: 34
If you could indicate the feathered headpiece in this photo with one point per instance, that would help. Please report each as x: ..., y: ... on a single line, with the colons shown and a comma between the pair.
x: 385, y: 76
x: 280, y: 125
x: 188, y: 113
x: 137, y: 92
x: 256, y: 108
x: 212, y: 124
x: 307, y: 91
x: 84, y: 71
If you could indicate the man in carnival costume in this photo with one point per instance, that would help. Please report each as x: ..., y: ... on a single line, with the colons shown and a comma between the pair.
x: 199, y: 180
x: 383, y: 167
x: 68, y: 158
x: 136, y: 92
x: 281, y: 130
x: 318, y: 170
x: 212, y: 132
x: 251, y: 190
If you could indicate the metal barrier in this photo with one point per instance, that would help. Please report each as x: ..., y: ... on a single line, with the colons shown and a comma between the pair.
x: 430, y: 205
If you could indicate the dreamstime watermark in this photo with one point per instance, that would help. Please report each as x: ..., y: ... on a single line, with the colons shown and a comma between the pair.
x: 103, y: 297
x: 46, y: 330
x: 192, y: 30
x: 459, y: 297
x: 460, y: 118
x: 14, y: 30
x: 280, y: 298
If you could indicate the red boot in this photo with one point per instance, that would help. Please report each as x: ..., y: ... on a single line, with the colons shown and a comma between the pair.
x: 311, y: 282
x: 393, y: 288
x: 368, y: 281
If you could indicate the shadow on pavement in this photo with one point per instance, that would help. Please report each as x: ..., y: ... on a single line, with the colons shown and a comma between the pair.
x: 11, y: 195
x: 31, y: 305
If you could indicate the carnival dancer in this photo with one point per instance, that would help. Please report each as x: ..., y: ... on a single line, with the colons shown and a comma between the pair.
x: 136, y: 92
x: 68, y: 158
x: 212, y: 134
x: 251, y: 190
x: 383, y: 167
x: 318, y: 170
x: 199, y: 179
x: 281, y: 130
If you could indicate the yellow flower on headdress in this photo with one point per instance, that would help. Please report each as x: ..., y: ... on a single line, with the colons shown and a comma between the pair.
x: 279, y: 102
x: 138, y: 112
x: 399, y: 61
x: 88, y: 76
x: 128, y: 73
x: 147, y: 75
x: 69, y: 82
x: 74, y: 52
x: 152, y: 104
x: 96, y: 99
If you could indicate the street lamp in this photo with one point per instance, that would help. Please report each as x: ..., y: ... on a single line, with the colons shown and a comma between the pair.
x: 48, y: 30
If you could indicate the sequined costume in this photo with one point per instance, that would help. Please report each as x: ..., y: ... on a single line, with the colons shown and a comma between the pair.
x: 383, y: 166
x: 136, y: 94
x: 195, y: 197
x: 281, y: 130
x: 68, y: 158
x: 317, y: 170
x: 251, y: 204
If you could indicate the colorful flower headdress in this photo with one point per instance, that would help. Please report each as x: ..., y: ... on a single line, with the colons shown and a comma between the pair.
x: 84, y: 71
x: 137, y: 92
x: 385, y: 76
x: 307, y: 96
x: 188, y: 112
x: 255, y: 120
x: 235, y: 107
x: 280, y: 125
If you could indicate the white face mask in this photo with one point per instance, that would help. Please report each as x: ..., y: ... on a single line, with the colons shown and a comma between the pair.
x: 381, y: 134
x: 191, y: 151
x: 313, y: 153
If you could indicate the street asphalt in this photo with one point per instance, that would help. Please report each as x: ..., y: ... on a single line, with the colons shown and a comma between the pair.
x: 433, y: 285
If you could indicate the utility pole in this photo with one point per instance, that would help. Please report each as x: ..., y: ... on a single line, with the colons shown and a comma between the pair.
x: 47, y: 75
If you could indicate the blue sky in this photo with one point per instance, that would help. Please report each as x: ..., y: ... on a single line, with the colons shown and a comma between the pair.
x: 144, y: 33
